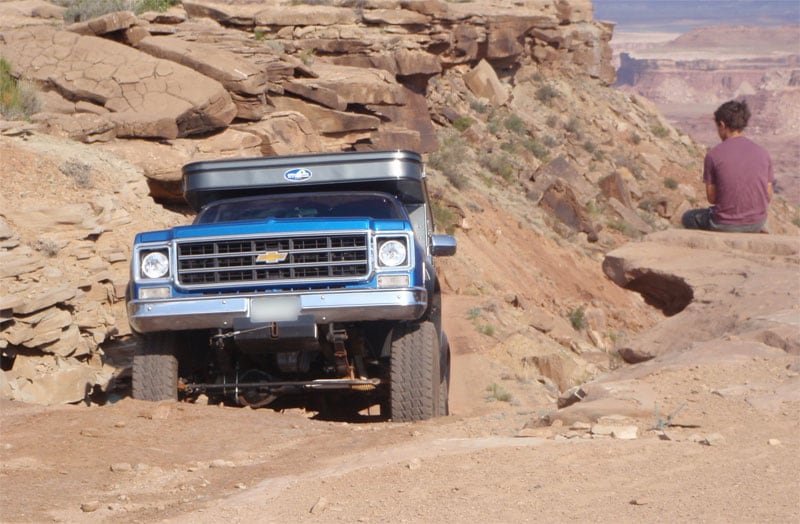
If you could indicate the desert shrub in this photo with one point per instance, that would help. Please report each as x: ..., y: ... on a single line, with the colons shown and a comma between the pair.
x: 660, y: 131
x: 577, y: 317
x: 444, y: 217
x: 480, y: 106
x: 474, y: 313
x: 449, y: 160
x: 552, y: 121
x: 589, y: 146
x: 81, y: 10
x: 515, y: 124
x: 494, y: 124
x: 307, y: 56
x: 47, y: 247
x: 549, y: 141
x: 538, y: 149
x: 622, y: 227
x: 18, y: 99
x: 636, y: 138
x: 546, y: 93
x: 599, y: 155
x: 259, y: 36
x: 463, y: 123
x: 79, y: 171
x: 497, y: 393
x: 670, y: 183
x: 573, y: 126
x: 499, y: 164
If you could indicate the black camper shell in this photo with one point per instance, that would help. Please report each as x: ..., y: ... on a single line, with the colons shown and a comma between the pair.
x: 399, y: 173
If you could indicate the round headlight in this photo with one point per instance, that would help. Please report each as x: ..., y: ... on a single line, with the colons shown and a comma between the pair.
x: 392, y: 253
x: 155, y: 265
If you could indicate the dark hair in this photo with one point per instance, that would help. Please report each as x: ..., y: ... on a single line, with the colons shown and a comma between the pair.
x: 733, y: 114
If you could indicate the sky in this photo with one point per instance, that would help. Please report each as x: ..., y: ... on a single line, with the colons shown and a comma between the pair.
x: 683, y: 15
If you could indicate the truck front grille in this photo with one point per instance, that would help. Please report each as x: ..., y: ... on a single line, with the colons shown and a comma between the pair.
x: 306, y: 259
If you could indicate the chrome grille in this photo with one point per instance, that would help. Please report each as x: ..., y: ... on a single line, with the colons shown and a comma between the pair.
x: 307, y: 259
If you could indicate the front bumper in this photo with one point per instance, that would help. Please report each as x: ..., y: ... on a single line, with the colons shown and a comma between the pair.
x: 218, y: 312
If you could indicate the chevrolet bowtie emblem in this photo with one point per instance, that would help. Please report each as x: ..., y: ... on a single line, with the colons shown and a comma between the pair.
x: 271, y: 257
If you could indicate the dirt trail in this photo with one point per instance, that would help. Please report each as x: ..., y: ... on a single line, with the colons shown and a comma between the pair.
x: 138, y: 462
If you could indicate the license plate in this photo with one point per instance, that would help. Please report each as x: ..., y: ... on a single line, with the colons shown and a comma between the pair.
x: 274, y: 309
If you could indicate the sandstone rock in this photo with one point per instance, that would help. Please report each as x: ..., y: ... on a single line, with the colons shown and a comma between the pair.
x: 149, y: 97
x: 45, y: 298
x: 233, y: 72
x: 284, y: 133
x: 309, y: 89
x: 49, y: 380
x: 85, y: 127
x: 630, y: 216
x: 103, y: 24
x: 412, y: 62
x: 483, y: 82
x: 328, y: 120
x: 303, y: 15
x: 12, y: 265
x: 239, y: 15
x: 394, y: 17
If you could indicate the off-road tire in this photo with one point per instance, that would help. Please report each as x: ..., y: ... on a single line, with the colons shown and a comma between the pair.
x: 155, y: 367
x: 415, y: 377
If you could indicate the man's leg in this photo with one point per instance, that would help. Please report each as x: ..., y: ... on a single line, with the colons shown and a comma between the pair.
x: 697, y: 219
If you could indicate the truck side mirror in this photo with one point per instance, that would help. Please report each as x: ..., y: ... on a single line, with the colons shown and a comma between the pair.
x: 443, y: 245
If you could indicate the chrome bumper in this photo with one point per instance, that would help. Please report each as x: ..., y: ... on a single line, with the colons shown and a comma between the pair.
x: 146, y: 316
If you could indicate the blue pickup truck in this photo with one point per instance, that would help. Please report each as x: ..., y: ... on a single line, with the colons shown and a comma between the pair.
x: 302, y: 277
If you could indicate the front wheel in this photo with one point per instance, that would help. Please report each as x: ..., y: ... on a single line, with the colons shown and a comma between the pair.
x: 155, y: 367
x: 415, y: 378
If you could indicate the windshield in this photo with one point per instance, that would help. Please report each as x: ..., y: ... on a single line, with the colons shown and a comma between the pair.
x: 319, y: 205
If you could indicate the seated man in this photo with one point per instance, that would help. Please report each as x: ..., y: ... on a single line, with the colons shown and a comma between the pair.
x: 738, y: 178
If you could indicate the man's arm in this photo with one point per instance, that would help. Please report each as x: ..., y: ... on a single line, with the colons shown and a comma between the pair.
x: 711, y: 193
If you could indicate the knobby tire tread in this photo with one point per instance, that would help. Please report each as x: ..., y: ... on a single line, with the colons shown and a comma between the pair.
x: 415, y: 378
x: 155, y: 368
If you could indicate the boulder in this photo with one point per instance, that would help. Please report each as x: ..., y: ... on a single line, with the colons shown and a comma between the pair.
x: 284, y: 133
x: 394, y: 17
x: 304, y: 15
x: 232, y: 71
x: 482, y: 80
x: 104, y: 24
x: 327, y: 120
x: 149, y: 97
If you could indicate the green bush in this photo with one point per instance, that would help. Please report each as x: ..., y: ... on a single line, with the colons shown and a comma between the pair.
x: 670, y: 183
x: 496, y: 392
x: 577, y: 317
x: 18, y: 99
x: 573, y: 126
x: 450, y: 159
x: 463, y: 123
x: 660, y: 131
x: 479, y: 106
x: 444, y: 218
x: 538, y: 149
x: 499, y: 164
x: 515, y: 124
x: 546, y: 94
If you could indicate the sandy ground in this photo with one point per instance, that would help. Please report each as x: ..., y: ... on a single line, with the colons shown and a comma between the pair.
x: 726, y: 458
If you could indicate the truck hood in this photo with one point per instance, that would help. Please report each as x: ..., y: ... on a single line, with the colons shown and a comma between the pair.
x: 272, y: 226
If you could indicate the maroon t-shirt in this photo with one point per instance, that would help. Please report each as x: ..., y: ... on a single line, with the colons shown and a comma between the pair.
x: 740, y: 169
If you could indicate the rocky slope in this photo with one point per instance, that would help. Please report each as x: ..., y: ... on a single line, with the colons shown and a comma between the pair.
x: 537, y: 165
